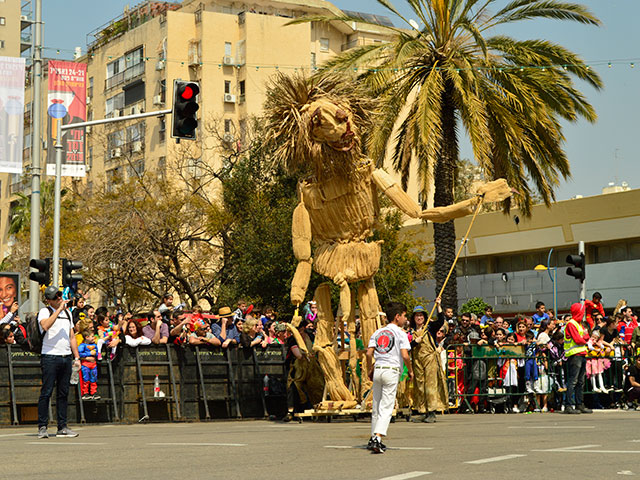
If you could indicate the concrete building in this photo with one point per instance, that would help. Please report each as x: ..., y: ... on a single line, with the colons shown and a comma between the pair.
x: 498, y: 261
x: 231, y: 48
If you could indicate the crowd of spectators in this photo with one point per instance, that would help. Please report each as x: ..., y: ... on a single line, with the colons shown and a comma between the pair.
x: 527, y: 367
x: 530, y: 374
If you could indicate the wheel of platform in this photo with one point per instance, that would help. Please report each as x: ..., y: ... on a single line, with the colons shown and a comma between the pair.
x: 355, y: 418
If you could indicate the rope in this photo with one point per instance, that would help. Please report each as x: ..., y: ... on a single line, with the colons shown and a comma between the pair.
x: 422, y: 331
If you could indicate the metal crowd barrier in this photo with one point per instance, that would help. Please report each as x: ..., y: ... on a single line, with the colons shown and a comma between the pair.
x: 477, y: 380
x: 195, y: 383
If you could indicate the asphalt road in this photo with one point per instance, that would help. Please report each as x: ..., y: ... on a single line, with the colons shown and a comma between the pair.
x: 604, y: 445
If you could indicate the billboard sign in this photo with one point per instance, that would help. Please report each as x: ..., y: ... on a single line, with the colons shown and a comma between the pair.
x: 11, y: 113
x: 67, y: 101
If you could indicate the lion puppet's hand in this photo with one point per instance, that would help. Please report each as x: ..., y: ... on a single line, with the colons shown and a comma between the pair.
x: 495, y: 191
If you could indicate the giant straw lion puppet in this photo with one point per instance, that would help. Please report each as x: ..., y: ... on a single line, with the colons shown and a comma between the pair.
x: 316, y: 127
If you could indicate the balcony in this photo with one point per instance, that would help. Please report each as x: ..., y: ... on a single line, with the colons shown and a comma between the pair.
x: 124, y: 76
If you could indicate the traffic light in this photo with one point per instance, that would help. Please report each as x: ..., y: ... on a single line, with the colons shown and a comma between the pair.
x: 577, y: 271
x: 43, y: 275
x: 185, y: 106
x: 68, y: 277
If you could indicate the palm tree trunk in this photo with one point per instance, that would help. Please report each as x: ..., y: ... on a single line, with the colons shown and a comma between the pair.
x: 444, y: 234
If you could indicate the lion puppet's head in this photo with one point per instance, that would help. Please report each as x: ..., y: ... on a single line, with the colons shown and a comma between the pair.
x: 316, y: 125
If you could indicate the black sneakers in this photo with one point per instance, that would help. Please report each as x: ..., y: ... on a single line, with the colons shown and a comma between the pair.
x: 375, y: 445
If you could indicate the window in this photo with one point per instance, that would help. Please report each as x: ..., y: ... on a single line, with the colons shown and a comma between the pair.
x: 90, y: 89
x: 162, y: 165
x: 227, y: 49
x: 227, y: 126
x: 324, y: 44
x: 115, y: 67
x: 162, y: 133
x: 1, y: 44
x: 313, y: 60
x: 133, y: 57
x: 3, y: 21
x: 113, y: 104
x: 227, y: 86
x: 242, y: 87
x: 136, y: 169
x: 89, y: 158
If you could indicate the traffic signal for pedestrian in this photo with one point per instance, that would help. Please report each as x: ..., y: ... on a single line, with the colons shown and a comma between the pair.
x: 68, y: 277
x: 43, y: 275
x: 185, y: 106
x: 578, y: 270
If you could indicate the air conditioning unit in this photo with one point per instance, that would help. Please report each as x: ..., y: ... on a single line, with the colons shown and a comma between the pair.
x: 227, y: 138
x: 160, y: 65
x: 24, y: 18
x: 229, y: 98
x: 137, y: 146
x: 88, y: 129
x: 227, y: 60
x: 88, y: 101
x: 157, y: 100
x: 136, y: 110
x: 116, y: 152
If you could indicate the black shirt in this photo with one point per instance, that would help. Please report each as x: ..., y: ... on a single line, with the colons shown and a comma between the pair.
x: 608, y: 336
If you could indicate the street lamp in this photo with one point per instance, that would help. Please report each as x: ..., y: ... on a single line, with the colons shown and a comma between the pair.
x: 553, y: 278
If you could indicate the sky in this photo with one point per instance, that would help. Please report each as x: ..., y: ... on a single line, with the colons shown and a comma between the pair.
x: 598, y: 153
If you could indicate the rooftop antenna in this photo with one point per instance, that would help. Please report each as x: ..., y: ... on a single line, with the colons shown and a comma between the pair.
x: 615, y: 164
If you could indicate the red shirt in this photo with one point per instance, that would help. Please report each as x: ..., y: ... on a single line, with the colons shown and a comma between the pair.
x: 591, y: 306
x: 628, y: 329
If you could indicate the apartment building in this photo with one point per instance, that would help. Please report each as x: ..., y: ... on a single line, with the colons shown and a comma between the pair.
x: 231, y: 48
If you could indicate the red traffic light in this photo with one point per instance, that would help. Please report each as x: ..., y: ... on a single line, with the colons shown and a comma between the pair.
x: 187, y: 93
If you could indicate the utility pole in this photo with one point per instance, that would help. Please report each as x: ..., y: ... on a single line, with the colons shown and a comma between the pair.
x: 36, y: 149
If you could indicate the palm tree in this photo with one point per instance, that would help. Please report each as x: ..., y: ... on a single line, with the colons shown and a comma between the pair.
x: 457, y: 73
x: 21, y: 212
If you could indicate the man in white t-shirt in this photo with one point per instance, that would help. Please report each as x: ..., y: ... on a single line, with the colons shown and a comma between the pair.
x: 390, y: 347
x: 58, y: 345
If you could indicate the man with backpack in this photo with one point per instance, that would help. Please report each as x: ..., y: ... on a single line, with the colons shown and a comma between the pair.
x: 58, y: 345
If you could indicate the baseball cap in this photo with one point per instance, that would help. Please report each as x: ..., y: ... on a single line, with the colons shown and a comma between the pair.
x: 51, y: 292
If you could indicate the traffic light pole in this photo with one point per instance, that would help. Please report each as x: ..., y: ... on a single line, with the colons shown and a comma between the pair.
x: 58, y: 182
x: 36, y: 148
x: 583, y: 284
x: 56, y: 210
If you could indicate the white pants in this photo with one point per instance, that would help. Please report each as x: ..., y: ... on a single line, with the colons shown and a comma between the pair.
x: 385, y: 384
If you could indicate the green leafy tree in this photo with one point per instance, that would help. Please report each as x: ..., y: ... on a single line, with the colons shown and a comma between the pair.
x: 456, y: 74
x: 475, y: 305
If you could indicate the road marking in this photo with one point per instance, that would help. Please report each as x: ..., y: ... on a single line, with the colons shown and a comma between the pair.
x: 200, y: 444
x: 566, y: 449
x: 625, y: 472
x: 43, y: 442
x: 495, y: 459
x: 404, y: 476
x: 363, y: 447
x: 18, y: 435
x: 556, y: 426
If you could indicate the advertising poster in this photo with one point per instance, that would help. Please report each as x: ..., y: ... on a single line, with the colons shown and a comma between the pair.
x: 11, y: 113
x: 67, y: 100
x: 9, y: 291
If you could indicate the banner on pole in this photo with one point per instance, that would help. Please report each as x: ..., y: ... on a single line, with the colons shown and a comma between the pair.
x: 67, y: 101
x: 11, y: 113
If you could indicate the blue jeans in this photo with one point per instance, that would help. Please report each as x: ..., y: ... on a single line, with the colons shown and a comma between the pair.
x: 56, y: 370
x: 577, y: 366
x: 530, y: 370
